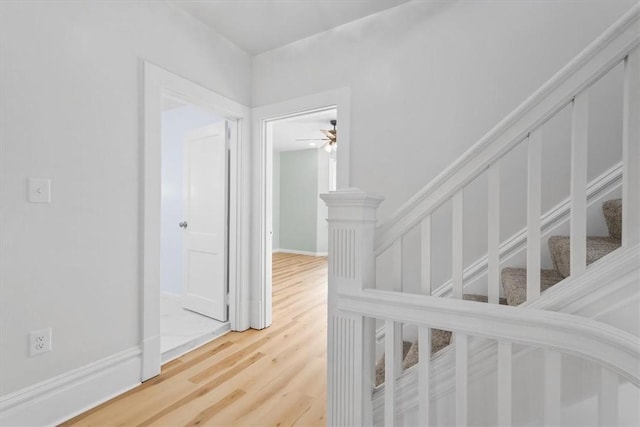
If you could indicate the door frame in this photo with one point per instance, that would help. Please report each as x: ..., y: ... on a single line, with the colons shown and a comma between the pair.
x: 158, y: 83
x: 261, y: 303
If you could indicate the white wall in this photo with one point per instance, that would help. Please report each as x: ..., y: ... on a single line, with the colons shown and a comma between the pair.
x: 428, y: 79
x: 175, y: 125
x: 71, y: 83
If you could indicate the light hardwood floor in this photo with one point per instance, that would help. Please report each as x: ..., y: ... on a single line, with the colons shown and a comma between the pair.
x: 272, y: 377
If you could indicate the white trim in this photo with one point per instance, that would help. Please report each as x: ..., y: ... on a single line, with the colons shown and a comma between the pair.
x: 608, y: 50
x: 195, y: 343
x: 159, y: 82
x: 261, y: 267
x: 297, y: 252
x: 574, y: 295
x: 62, y: 397
x: 589, y: 339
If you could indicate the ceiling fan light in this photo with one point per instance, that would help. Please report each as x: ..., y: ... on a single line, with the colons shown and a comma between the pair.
x: 328, y: 147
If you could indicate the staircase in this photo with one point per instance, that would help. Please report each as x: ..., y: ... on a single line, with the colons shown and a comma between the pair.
x: 514, y: 280
x: 480, y: 359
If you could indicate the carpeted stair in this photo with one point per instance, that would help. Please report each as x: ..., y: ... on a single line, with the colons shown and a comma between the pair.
x: 439, y: 340
x: 514, y: 280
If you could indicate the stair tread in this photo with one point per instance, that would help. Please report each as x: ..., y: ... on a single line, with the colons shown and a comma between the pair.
x: 612, y: 210
x: 514, y: 283
x: 406, y: 345
x: 514, y: 280
x: 597, y: 247
x: 481, y: 298
x: 439, y: 340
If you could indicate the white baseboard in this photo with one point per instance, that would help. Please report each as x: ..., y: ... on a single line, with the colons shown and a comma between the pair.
x: 296, y: 252
x: 58, y: 399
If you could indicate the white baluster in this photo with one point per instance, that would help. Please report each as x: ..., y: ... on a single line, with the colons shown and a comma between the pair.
x: 504, y: 384
x: 368, y: 366
x: 579, y: 130
x: 424, y: 334
x: 352, y: 219
x: 456, y: 245
x: 608, y: 398
x: 461, y: 342
x: 396, y: 260
x: 424, y: 375
x: 552, y: 388
x: 391, y: 371
x: 493, y: 238
x: 425, y: 243
x: 631, y: 151
x: 534, y: 192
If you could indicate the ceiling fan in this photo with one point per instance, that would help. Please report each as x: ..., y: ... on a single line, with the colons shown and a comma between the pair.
x: 331, y: 137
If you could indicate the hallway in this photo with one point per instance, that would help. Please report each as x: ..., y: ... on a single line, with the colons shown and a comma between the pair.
x: 276, y: 376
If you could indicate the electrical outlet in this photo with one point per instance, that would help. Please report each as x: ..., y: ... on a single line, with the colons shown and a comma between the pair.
x: 39, y: 342
x: 39, y: 190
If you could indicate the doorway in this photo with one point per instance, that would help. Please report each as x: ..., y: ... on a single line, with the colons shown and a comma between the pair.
x: 194, y: 219
x: 304, y: 166
x: 263, y: 122
x: 158, y: 84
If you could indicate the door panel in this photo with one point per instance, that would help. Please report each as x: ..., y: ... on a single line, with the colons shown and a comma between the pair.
x: 205, y: 212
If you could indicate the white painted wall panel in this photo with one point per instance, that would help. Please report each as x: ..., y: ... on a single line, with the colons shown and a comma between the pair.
x: 428, y: 79
x: 71, y: 76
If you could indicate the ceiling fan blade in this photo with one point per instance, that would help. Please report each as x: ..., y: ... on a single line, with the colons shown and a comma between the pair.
x: 328, y: 134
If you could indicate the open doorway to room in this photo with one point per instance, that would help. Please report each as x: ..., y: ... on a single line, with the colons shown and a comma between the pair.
x: 321, y: 108
x: 304, y: 163
x: 212, y: 225
x: 194, y: 227
x: 303, y: 152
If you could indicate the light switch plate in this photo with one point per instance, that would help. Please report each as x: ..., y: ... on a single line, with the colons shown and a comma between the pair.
x: 39, y: 190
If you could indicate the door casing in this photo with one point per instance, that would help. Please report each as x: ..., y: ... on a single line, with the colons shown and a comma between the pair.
x: 158, y: 83
x: 262, y: 183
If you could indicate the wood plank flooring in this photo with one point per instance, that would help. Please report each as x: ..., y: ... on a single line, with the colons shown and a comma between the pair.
x: 272, y: 377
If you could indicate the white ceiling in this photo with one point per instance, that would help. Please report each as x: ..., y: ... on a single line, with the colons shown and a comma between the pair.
x: 260, y: 25
x: 286, y: 132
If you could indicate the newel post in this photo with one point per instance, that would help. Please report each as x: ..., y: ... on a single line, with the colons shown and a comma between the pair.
x: 350, y: 337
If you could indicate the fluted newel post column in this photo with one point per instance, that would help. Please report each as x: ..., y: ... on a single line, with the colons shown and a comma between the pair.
x: 350, y: 337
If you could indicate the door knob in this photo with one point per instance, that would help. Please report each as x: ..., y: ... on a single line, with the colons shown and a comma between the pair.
x: 183, y: 224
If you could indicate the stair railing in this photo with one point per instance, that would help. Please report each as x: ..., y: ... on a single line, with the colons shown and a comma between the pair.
x: 354, y: 306
x: 355, y: 241
x: 569, y: 86
x: 615, y: 351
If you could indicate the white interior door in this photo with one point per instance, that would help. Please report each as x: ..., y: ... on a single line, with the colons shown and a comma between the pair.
x: 204, y: 247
